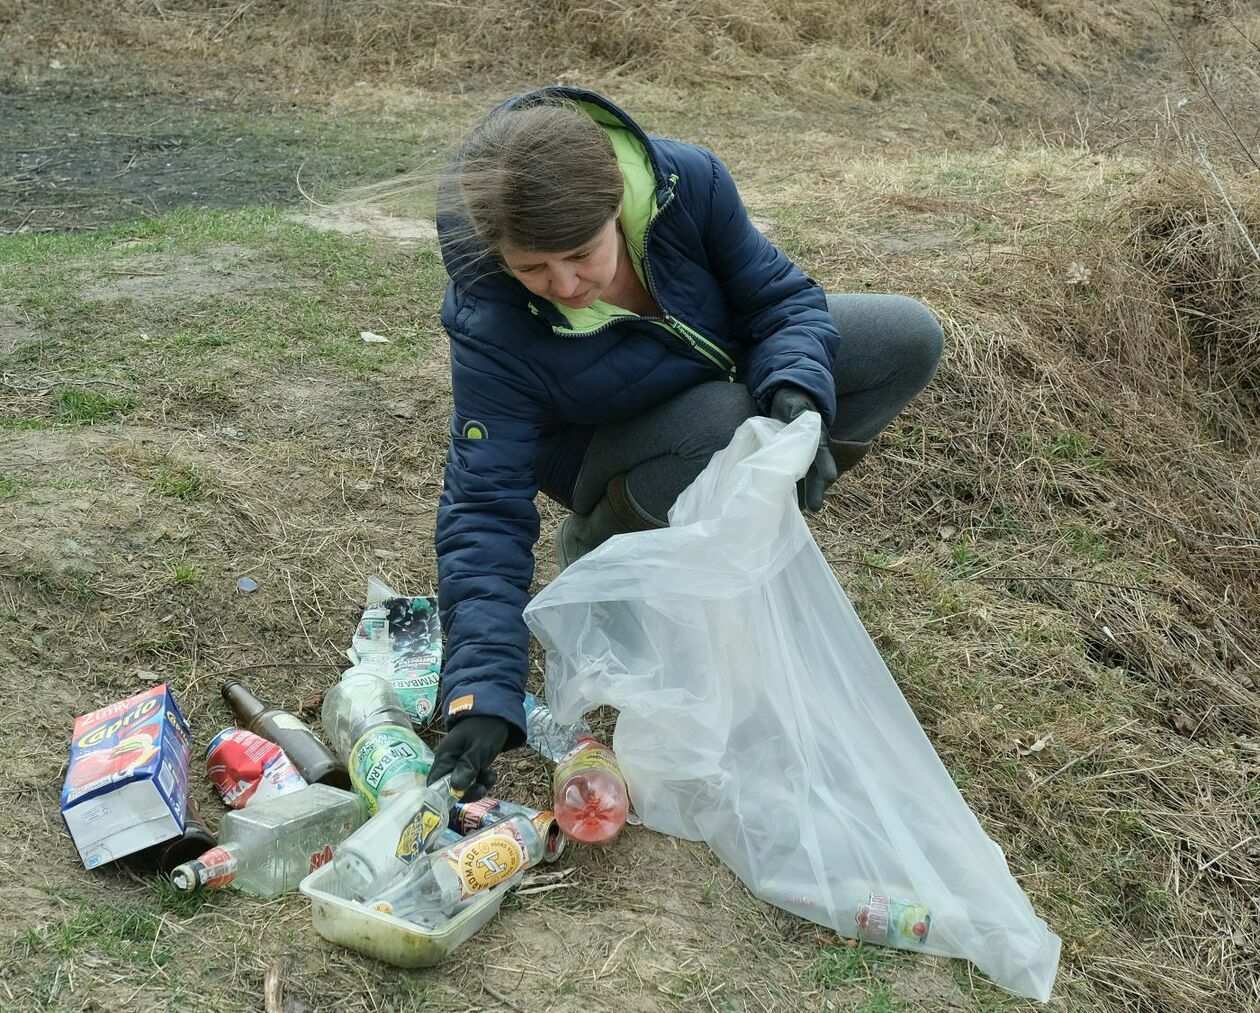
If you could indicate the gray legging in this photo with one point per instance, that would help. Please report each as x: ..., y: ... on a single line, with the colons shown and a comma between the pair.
x: 889, y: 347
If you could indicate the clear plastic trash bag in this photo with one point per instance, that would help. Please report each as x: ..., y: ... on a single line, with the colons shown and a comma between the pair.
x: 756, y: 715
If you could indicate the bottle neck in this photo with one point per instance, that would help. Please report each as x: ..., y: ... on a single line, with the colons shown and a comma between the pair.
x: 246, y: 707
x: 213, y: 870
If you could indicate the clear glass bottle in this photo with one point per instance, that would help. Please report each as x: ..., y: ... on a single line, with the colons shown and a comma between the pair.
x: 547, y: 736
x: 437, y: 887
x: 384, y: 848
x: 268, y: 848
x: 367, y: 724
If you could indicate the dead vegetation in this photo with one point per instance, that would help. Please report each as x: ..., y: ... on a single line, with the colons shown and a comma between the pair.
x: 1057, y: 549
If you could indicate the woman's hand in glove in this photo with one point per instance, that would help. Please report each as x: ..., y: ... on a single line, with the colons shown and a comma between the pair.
x: 788, y: 403
x: 467, y: 752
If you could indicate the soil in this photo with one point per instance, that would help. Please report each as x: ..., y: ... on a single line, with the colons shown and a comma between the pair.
x: 79, y: 157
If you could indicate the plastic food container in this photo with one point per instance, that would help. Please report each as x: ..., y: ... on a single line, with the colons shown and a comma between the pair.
x: 375, y: 934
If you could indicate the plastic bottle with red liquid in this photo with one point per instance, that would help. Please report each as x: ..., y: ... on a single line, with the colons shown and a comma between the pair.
x: 591, y: 801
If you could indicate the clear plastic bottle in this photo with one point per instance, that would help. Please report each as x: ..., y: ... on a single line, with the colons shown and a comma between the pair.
x: 480, y: 861
x: 269, y: 847
x: 545, y: 735
x: 366, y: 723
x: 591, y: 801
x: 892, y: 921
x: 383, y: 849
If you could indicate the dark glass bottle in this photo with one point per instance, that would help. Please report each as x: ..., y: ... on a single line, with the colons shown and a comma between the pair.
x: 195, y: 841
x: 313, y: 759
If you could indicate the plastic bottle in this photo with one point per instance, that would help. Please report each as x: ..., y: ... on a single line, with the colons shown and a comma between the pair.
x: 267, y: 848
x: 383, y: 849
x: 451, y: 876
x: 545, y: 735
x: 305, y: 751
x: 367, y: 724
x: 591, y: 801
x: 892, y: 921
x: 468, y: 817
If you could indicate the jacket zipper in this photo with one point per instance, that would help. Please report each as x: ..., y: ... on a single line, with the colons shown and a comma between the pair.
x: 692, y: 338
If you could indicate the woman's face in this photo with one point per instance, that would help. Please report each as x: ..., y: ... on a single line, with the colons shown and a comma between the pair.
x: 576, y: 277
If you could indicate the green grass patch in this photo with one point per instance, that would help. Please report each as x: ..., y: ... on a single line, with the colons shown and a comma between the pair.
x: 185, y: 574
x: 87, y: 407
x: 845, y: 965
x: 179, y: 481
x: 10, y: 487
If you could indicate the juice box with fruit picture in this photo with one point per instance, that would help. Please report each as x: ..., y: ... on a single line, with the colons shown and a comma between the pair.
x: 127, y: 784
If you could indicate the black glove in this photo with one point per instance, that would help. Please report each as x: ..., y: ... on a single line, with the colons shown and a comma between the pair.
x: 467, y: 752
x: 789, y: 402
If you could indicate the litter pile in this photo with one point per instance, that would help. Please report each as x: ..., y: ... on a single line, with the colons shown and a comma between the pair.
x: 395, y: 867
x: 754, y: 714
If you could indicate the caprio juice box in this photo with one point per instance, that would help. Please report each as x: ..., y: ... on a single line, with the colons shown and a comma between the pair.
x: 127, y: 785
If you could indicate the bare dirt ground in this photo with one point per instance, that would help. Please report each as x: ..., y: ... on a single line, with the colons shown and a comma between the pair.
x: 1055, y: 548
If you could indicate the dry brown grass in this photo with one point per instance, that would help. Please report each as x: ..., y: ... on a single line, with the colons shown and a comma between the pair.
x: 1059, y: 543
x: 1004, y: 54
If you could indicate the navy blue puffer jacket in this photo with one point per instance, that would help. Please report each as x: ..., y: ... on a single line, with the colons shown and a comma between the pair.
x: 735, y: 307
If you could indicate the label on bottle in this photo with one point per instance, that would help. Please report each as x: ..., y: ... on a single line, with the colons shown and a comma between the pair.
x: 320, y: 858
x: 586, y: 755
x: 281, y: 719
x: 469, y: 816
x: 384, y: 753
x: 218, y: 868
x: 893, y: 921
x: 487, y: 859
x: 418, y: 832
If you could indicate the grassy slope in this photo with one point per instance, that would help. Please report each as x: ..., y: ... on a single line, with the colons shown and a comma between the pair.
x: 194, y: 403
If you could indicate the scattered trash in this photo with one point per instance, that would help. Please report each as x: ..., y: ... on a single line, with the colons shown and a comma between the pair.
x: 399, y: 639
x: 591, y: 801
x: 547, y: 736
x: 373, y: 339
x: 194, y: 841
x: 892, y: 922
x: 467, y: 817
x: 126, y: 787
x: 1034, y: 747
x: 245, y: 768
x: 234, y: 433
x: 144, y: 675
x: 384, y: 554
x: 756, y: 714
x: 268, y: 848
x: 453, y: 875
x: 247, y: 584
x: 383, y: 849
x: 342, y: 921
x: 314, y: 761
x: 367, y: 724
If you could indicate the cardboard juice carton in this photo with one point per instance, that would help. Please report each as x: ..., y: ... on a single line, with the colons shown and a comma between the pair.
x: 127, y: 785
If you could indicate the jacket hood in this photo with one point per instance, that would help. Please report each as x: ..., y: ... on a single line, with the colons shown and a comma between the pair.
x: 472, y: 266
